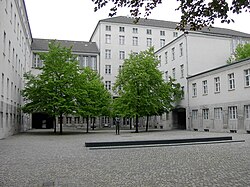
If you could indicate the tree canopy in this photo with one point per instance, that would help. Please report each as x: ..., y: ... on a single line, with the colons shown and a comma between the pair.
x: 63, y: 88
x: 195, y: 13
x: 141, y: 88
x: 242, y: 51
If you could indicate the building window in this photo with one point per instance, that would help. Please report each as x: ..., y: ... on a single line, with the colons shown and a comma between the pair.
x: 121, y: 55
x: 194, y: 89
x: 217, y: 84
x: 247, y: 111
x: 107, y: 53
x: 231, y: 81
x: 232, y: 110
x: 2, y: 85
x: 217, y: 113
x: 9, y: 50
x: 135, y: 41
x: 247, y: 77
x: 159, y: 58
x: 166, y: 75
x: 135, y: 30
x: 4, y: 42
x: 11, y: 12
x: 149, y: 31
x: 108, y: 27
x: 15, y: 23
x: 107, y: 38
x: 122, y: 29
x: 68, y: 120
x: 162, y: 42
x: 162, y: 33
x: 205, y: 113
x: 149, y: 42
x: 166, y: 57
x: 181, y: 49
x: 175, y: 34
x: 194, y: 114
x: 121, y: 40
x: 173, y: 53
x: 108, y: 85
x: 204, y: 87
x: 107, y: 69
x: 173, y: 72
x: 77, y: 120
x: 182, y: 71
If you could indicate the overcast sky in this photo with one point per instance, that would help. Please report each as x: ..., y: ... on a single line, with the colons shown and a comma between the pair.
x: 76, y: 19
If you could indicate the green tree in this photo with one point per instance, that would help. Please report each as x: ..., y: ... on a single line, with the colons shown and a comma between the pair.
x: 141, y: 88
x: 53, y: 91
x: 92, y: 98
x: 242, y: 51
x: 195, y: 13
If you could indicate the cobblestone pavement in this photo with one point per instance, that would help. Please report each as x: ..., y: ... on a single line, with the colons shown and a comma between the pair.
x: 40, y: 158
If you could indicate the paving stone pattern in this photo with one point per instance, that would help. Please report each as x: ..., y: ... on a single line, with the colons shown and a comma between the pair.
x: 40, y: 158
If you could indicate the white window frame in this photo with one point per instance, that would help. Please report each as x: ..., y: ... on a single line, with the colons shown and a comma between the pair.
x: 121, y: 29
x: 217, y: 84
x: 108, y: 28
x: 108, y: 69
x: 232, y: 112
x: 181, y: 49
x: 121, y: 55
x: 182, y: 70
x: 121, y: 39
x: 247, y: 77
x: 205, y: 113
x: 149, y: 31
x: 173, y: 53
x: 108, y: 85
x: 107, y: 53
x: 218, y: 113
x: 231, y: 81
x: 204, y: 87
x: 162, y: 42
x: 135, y: 30
x: 108, y: 38
x: 166, y: 57
x: 135, y: 41
x: 149, y: 42
x: 194, y: 114
x: 194, y: 90
x: 162, y: 33
x: 247, y: 111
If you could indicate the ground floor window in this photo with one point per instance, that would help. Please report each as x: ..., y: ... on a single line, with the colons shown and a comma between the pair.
x: 247, y: 111
x: 205, y: 113
x: 232, y: 110
x: 77, y: 120
x: 68, y: 120
x: 217, y: 113
x: 194, y: 114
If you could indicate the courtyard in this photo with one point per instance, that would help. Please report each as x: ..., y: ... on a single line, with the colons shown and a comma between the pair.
x: 41, y: 158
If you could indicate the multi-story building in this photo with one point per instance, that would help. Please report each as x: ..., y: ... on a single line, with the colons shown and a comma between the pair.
x: 219, y: 99
x: 192, y: 53
x: 117, y: 37
x: 15, y: 60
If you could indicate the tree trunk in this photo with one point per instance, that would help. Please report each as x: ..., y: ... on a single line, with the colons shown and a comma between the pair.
x: 147, y: 124
x: 54, y: 124
x: 136, y: 123
x: 130, y: 123
x: 61, y: 120
x: 87, y: 124
x: 93, y: 124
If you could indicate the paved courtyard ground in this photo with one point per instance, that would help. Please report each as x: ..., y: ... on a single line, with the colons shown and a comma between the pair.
x: 40, y: 158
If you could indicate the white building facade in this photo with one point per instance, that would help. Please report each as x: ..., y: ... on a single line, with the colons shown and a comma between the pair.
x: 15, y: 60
x: 219, y: 99
x: 190, y: 54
